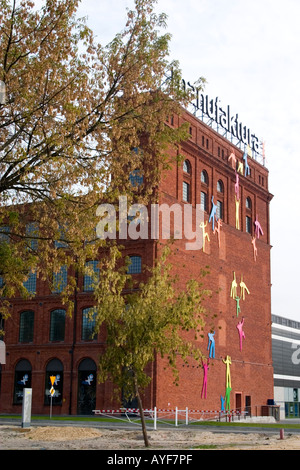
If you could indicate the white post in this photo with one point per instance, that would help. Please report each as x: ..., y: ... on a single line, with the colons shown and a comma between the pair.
x: 186, y: 416
x: 176, y: 416
x: 155, y: 418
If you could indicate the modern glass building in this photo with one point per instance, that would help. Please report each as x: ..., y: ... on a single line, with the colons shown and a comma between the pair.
x: 286, y: 364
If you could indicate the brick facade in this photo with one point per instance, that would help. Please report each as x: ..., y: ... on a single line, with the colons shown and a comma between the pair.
x: 251, y: 369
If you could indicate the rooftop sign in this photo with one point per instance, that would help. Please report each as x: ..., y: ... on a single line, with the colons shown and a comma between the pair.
x: 222, y: 119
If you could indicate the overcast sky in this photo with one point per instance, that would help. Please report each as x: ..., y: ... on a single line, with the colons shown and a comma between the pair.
x: 248, y: 50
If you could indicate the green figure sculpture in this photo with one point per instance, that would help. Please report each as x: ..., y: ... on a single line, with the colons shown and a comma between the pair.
x: 238, y: 307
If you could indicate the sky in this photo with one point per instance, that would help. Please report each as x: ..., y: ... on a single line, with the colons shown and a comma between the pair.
x: 248, y: 51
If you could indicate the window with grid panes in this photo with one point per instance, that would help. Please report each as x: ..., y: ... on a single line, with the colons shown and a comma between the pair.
x: 60, y: 280
x: 30, y: 283
x: 88, y: 323
x: 26, y: 326
x: 57, y: 325
x: 186, y: 192
x: 135, y: 266
x: 89, y: 281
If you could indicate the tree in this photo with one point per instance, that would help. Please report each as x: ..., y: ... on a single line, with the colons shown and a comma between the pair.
x: 156, y: 318
x: 73, y: 112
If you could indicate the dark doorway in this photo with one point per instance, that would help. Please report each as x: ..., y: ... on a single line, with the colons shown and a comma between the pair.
x: 86, y: 387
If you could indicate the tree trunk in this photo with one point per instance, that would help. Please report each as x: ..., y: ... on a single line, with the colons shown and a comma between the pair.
x: 146, y: 441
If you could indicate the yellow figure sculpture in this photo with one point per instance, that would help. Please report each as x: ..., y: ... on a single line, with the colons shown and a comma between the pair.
x: 237, y: 213
x: 204, y: 233
x: 233, y: 292
x: 243, y: 289
x: 227, y: 361
x: 240, y: 168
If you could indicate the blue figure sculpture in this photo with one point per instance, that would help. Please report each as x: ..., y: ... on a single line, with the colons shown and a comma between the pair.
x: 211, y: 344
x: 222, y: 403
x: 213, y: 213
x: 245, y: 158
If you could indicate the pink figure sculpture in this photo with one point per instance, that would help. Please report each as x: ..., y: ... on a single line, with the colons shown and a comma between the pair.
x: 241, y: 332
x: 236, y: 186
x: 204, y: 386
x: 218, y: 230
x: 258, y: 228
x: 254, y: 248
x: 232, y: 157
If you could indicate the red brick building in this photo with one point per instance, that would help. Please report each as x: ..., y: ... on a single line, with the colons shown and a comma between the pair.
x: 41, y: 341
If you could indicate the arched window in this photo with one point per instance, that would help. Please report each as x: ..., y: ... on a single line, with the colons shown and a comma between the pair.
x: 220, y: 186
x: 187, y: 167
x: 88, y: 323
x: 55, y: 370
x: 204, y: 177
x: 57, y: 325
x: 135, y: 266
x: 26, y: 326
x: 86, y: 402
x: 22, y: 380
x: 248, y: 203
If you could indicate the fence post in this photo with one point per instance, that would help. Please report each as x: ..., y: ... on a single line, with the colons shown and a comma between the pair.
x: 186, y: 416
x: 155, y: 418
x: 176, y: 416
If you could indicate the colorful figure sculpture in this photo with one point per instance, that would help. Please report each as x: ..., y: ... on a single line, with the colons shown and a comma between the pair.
x: 254, y: 248
x: 243, y: 289
x: 218, y: 230
x: 211, y: 344
x: 247, y: 169
x: 241, y: 332
x: 213, y: 213
x: 204, y: 233
x: 233, y: 292
x: 227, y: 398
x: 237, y: 186
x: 227, y: 361
x: 222, y: 403
x: 240, y: 168
x: 237, y: 213
x: 258, y: 229
x: 238, y: 308
x: 232, y: 157
x: 204, y: 386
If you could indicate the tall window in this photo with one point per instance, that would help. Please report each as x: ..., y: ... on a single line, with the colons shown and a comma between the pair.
x: 204, y: 177
x: 26, y: 326
x: 249, y: 227
x: 32, y: 231
x: 57, y: 325
x: 88, y: 323
x: 204, y: 203
x: 186, y: 194
x: 135, y: 266
x: 220, y: 186
x: 136, y: 178
x: 60, y: 280
x: 30, y: 283
x: 187, y: 167
x: 91, y: 279
x: 220, y: 210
